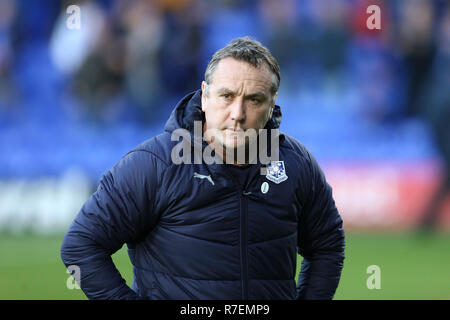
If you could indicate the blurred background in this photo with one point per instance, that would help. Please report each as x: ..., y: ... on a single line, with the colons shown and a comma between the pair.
x: 373, y: 106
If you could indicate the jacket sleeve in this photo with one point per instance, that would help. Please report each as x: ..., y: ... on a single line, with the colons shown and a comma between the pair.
x: 122, y: 210
x: 321, y: 240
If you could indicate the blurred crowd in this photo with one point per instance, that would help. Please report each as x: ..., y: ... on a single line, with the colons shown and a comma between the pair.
x: 132, y: 60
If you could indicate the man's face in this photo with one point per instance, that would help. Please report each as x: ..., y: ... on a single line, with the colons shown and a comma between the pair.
x: 237, y: 99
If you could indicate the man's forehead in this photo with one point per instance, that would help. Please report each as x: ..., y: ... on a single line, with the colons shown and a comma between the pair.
x: 232, y: 71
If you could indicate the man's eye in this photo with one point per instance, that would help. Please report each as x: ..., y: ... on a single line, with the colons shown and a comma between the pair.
x: 255, y: 100
x: 226, y: 95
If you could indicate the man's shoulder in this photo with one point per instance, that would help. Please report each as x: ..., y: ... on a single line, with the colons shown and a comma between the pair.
x: 293, y: 145
x: 158, y: 147
x: 148, y: 159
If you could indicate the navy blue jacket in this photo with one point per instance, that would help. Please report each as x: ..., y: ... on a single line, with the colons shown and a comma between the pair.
x: 191, y: 238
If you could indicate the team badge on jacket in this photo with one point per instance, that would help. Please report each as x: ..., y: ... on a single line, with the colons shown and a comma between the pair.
x: 276, y: 171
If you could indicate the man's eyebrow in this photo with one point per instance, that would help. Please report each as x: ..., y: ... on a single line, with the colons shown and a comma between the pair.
x: 260, y: 95
x: 224, y: 90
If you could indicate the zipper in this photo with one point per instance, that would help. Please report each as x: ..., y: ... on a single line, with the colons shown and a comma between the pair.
x: 242, y: 234
x: 243, y: 237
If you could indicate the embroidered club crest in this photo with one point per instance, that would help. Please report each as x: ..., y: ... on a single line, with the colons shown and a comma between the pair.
x: 276, y: 171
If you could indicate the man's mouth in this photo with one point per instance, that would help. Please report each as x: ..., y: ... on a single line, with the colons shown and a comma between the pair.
x: 235, y: 130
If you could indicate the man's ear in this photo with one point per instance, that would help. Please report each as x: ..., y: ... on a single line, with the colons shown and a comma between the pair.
x: 204, y: 94
x: 273, y: 104
x: 271, y: 111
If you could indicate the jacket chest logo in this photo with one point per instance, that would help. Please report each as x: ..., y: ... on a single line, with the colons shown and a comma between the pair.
x: 276, y: 172
x: 201, y: 176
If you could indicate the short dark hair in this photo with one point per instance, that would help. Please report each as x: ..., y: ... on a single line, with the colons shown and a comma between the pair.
x: 248, y: 50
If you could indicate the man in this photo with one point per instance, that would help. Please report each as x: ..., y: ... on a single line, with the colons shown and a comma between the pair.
x: 229, y: 229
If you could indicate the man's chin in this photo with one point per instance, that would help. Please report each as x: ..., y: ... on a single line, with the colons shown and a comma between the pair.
x: 234, y: 144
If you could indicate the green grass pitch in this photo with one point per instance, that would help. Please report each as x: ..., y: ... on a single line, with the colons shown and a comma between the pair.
x: 411, y: 267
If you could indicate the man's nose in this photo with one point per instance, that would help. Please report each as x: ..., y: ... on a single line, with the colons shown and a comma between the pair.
x: 237, y: 112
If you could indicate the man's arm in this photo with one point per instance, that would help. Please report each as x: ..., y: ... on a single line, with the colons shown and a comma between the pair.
x: 121, y: 211
x: 321, y: 240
